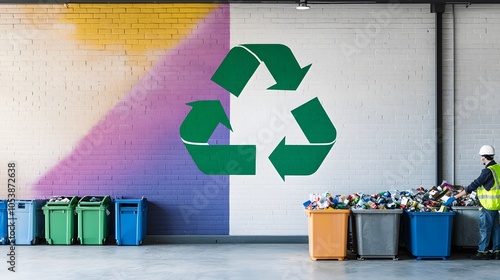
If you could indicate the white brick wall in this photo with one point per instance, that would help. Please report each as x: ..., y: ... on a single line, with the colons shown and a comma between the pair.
x: 47, y: 103
x: 448, y: 135
x: 477, y: 104
x: 373, y: 71
x: 378, y: 86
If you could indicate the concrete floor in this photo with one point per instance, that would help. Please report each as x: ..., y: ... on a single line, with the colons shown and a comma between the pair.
x: 228, y: 261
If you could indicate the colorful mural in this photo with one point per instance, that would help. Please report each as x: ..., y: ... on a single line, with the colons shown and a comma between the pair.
x: 99, y: 99
x: 135, y: 150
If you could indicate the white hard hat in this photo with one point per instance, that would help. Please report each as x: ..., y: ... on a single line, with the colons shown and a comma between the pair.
x: 487, y: 150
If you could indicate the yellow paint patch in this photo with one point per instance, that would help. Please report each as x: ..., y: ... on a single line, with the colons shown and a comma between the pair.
x: 134, y: 27
x: 76, y: 63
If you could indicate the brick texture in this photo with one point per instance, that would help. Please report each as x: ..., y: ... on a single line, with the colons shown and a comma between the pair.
x: 93, y: 97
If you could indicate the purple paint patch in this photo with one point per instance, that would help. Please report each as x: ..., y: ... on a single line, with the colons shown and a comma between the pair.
x: 136, y: 150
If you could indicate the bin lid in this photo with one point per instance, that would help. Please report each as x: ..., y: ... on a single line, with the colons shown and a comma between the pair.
x: 141, y: 202
x: 449, y: 213
x: 377, y: 211
x: 327, y: 212
x: 126, y: 200
x: 35, y: 202
x: 94, y: 200
x: 62, y: 200
x: 465, y: 207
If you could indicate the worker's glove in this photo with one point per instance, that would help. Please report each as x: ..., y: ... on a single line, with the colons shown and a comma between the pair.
x: 450, y: 201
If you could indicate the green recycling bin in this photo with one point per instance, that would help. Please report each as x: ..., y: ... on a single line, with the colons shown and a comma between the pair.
x: 60, y: 224
x: 93, y: 219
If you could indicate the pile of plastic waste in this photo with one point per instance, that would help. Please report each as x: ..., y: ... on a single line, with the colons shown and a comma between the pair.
x: 326, y: 201
x: 413, y: 200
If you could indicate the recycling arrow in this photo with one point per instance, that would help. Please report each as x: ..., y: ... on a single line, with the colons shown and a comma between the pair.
x: 242, y: 61
x: 314, y: 122
x: 202, y: 120
x: 195, y: 132
x: 306, y: 159
x: 233, y: 74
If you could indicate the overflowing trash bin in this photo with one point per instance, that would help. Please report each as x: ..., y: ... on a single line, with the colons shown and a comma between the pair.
x: 130, y: 221
x: 375, y: 223
x: 60, y: 220
x: 377, y: 233
x: 93, y: 219
x: 466, y: 226
x: 328, y: 233
x: 466, y: 221
x: 29, y: 229
x: 428, y: 234
x: 3, y: 222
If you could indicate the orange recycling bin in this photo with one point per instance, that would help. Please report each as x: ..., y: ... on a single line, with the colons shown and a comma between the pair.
x: 328, y: 234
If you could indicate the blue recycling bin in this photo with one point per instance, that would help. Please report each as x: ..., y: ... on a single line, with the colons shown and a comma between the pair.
x: 29, y: 221
x: 428, y: 234
x: 3, y: 222
x: 130, y: 221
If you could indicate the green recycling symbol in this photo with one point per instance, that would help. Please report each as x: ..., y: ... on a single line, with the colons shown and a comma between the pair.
x: 233, y: 74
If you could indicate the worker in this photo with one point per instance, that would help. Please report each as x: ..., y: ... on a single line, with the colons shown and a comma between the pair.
x: 488, y: 191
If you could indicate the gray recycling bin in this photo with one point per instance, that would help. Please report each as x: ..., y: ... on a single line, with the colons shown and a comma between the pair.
x: 30, y: 225
x: 466, y: 226
x: 377, y: 232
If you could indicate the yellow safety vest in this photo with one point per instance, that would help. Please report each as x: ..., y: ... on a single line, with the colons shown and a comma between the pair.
x: 491, y: 199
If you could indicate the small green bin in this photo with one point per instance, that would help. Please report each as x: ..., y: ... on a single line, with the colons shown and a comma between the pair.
x: 93, y: 219
x: 60, y: 225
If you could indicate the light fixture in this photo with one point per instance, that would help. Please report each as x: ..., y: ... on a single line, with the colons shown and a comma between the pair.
x: 302, y: 5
